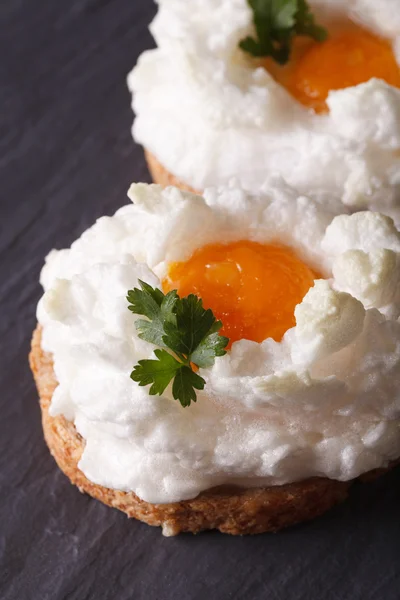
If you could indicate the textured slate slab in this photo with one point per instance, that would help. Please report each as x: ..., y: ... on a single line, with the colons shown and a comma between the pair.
x: 66, y: 158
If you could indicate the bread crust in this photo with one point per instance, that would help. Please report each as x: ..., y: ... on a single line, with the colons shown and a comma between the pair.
x: 160, y: 175
x: 231, y: 510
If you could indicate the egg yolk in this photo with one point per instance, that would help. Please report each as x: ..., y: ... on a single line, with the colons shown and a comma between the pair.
x: 252, y: 288
x: 345, y: 59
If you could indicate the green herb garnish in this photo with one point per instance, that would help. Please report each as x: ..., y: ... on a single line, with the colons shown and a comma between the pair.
x: 187, y: 335
x: 277, y: 22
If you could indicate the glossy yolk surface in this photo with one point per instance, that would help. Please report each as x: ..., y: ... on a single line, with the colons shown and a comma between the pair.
x: 345, y: 59
x: 252, y: 288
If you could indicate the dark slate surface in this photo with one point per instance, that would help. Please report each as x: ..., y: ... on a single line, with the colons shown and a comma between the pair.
x: 66, y: 158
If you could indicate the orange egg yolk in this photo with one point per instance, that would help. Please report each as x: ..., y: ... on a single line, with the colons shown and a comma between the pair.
x: 252, y: 288
x: 343, y: 60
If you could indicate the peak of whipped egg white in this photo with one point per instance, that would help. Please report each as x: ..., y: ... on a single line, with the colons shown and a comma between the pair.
x: 208, y: 115
x: 324, y: 401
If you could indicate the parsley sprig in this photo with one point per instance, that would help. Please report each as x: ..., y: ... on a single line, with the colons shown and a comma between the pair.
x: 277, y: 22
x: 187, y: 336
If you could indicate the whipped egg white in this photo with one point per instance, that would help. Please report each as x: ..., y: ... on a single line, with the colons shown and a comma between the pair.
x: 325, y: 401
x: 207, y: 114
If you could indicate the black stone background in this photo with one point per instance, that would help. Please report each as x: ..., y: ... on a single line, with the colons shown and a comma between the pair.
x: 66, y: 158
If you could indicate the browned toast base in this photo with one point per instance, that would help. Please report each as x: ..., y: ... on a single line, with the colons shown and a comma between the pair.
x: 231, y: 510
x: 163, y: 177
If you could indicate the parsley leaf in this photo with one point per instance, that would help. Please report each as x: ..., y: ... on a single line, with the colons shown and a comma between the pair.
x: 158, y: 309
x: 159, y: 372
x: 209, y: 348
x: 188, y: 334
x: 146, y: 301
x: 276, y: 23
x: 192, y: 324
x: 185, y: 382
